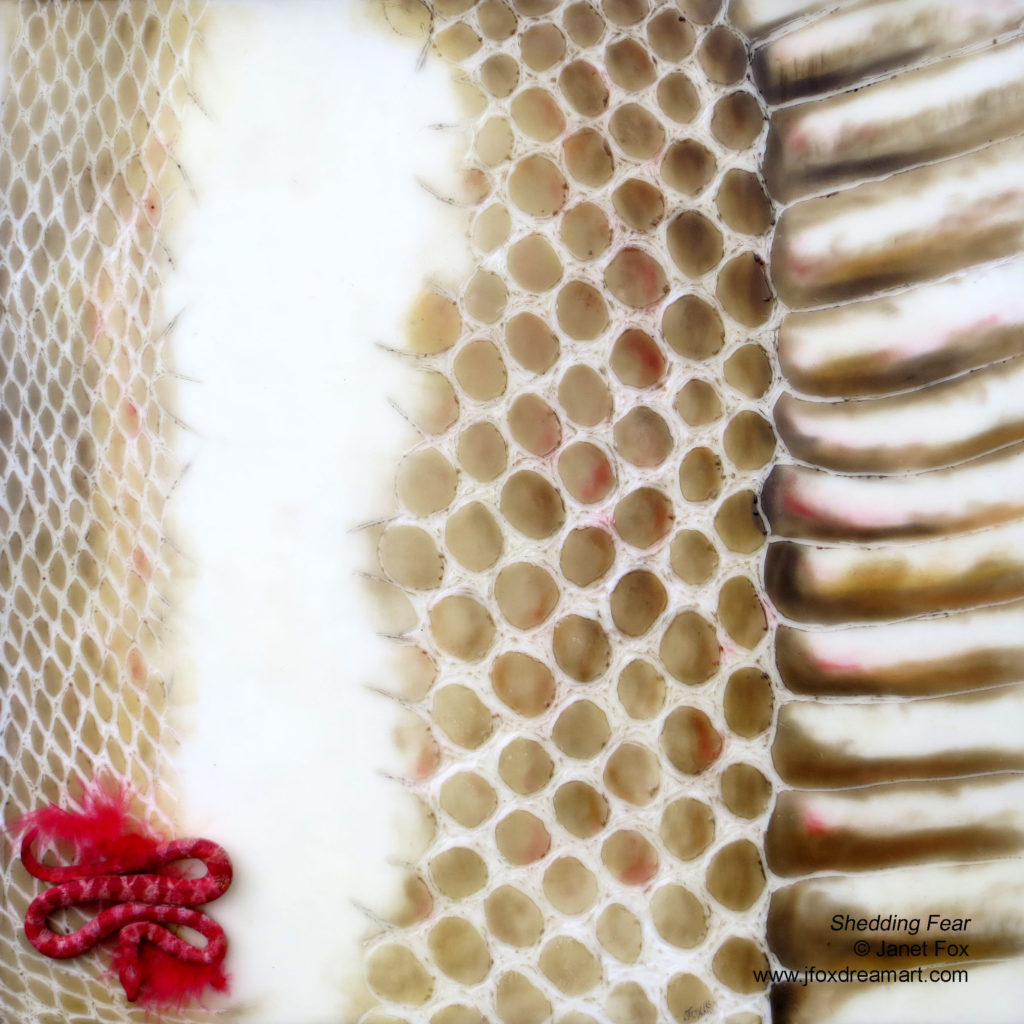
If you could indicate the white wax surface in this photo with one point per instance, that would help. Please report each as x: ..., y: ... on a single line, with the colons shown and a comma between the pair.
x: 290, y: 270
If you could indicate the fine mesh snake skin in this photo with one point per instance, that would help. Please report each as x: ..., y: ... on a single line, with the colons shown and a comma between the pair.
x: 90, y: 184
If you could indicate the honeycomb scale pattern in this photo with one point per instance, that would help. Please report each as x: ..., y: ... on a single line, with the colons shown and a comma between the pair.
x: 90, y: 186
x: 579, y: 537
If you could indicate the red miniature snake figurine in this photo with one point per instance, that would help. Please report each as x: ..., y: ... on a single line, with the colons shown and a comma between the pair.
x: 121, y: 867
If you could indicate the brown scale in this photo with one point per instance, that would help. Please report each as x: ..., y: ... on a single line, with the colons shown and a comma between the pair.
x: 884, y: 586
x: 804, y: 761
x: 832, y: 376
x: 793, y: 849
x: 915, y: 675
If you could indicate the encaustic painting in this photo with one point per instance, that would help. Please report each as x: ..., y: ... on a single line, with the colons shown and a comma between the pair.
x: 512, y: 511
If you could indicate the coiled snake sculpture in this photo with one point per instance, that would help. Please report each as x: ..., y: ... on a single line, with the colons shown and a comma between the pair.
x: 134, y: 876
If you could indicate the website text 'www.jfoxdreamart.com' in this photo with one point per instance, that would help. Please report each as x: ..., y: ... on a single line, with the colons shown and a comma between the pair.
x: 855, y: 975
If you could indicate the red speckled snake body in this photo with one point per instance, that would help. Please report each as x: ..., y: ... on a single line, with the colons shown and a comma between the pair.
x: 145, y: 903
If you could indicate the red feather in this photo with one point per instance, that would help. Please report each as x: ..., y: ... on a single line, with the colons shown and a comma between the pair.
x: 101, y: 829
x: 170, y: 984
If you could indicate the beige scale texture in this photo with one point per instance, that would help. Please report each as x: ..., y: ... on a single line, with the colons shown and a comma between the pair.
x: 579, y: 540
x: 89, y: 183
